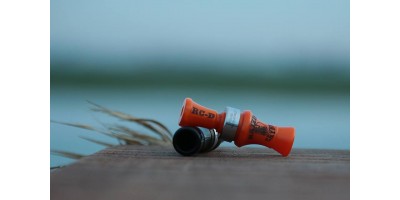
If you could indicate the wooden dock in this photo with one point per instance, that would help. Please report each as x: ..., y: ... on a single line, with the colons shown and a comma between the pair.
x: 143, y: 172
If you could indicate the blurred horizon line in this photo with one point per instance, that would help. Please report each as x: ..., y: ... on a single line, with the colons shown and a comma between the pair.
x: 291, y: 80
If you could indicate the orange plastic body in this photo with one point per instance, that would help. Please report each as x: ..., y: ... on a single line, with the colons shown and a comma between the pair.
x: 249, y: 131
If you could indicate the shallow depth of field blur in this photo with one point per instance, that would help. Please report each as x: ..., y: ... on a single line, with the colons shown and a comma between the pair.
x: 287, y: 61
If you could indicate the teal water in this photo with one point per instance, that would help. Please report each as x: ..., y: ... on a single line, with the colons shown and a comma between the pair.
x: 321, y: 119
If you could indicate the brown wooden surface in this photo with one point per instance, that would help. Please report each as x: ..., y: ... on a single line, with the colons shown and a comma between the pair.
x: 137, y: 172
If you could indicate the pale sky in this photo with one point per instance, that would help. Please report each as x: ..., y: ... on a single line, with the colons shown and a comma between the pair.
x: 314, y: 33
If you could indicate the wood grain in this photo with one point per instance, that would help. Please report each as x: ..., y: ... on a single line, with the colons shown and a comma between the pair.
x: 138, y: 172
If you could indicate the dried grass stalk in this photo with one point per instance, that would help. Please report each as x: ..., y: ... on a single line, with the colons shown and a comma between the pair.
x: 123, y: 134
x: 150, y: 124
x: 67, y: 154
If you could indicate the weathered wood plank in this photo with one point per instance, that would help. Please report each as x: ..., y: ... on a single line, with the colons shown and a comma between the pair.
x: 135, y: 172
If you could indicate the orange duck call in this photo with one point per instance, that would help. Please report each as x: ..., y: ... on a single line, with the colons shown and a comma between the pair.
x: 241, y: 127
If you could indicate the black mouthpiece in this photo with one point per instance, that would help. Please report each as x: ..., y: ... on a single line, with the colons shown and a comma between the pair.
x: 192, y: 140
x: 187, y: 141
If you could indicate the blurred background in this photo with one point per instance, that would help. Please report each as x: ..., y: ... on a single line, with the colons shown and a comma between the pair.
x: 287, y: 61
